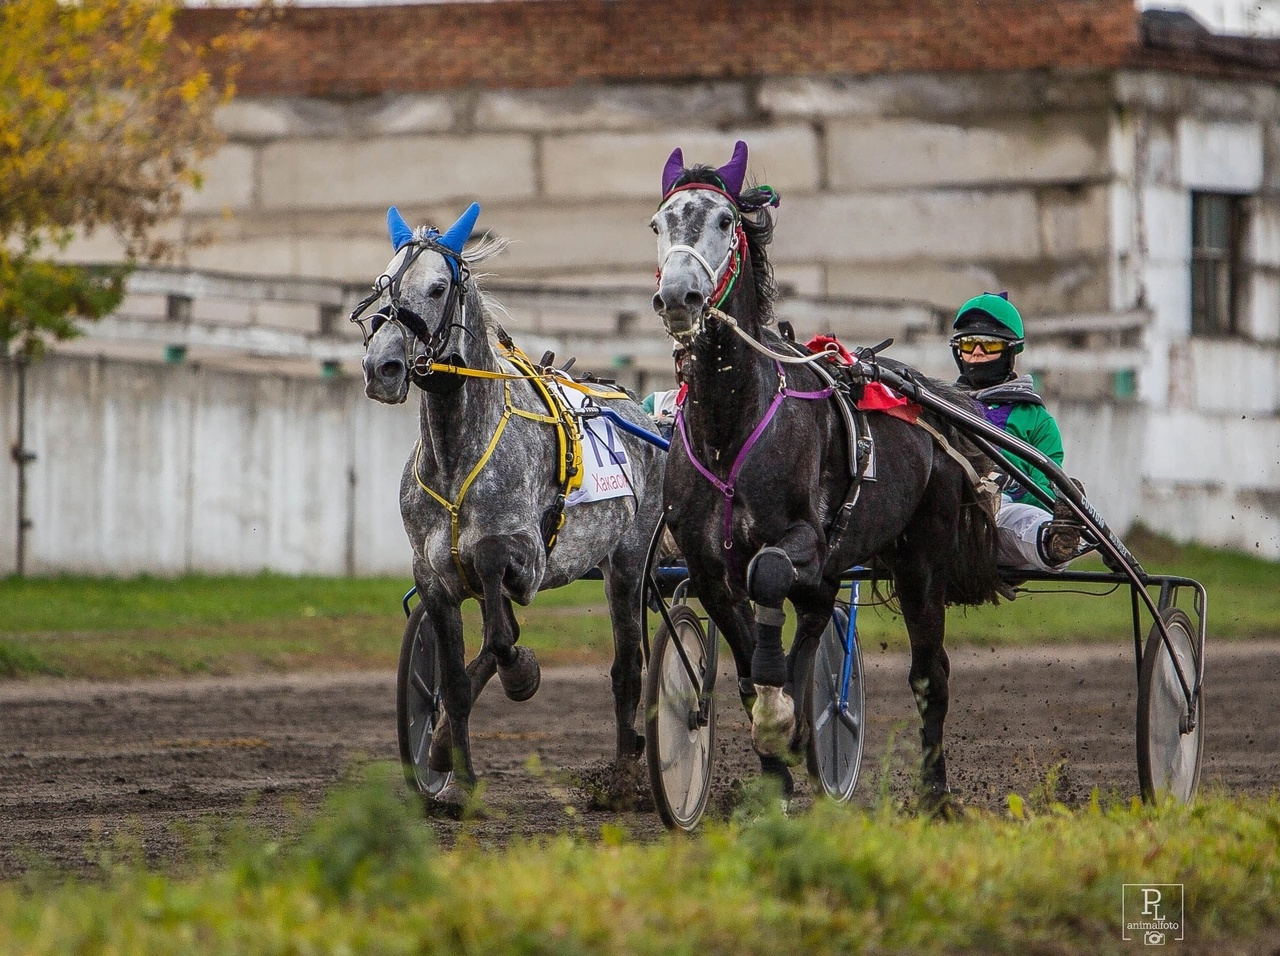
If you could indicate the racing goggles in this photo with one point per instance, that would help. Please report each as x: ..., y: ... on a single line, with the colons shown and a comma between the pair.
x: 968, y: 344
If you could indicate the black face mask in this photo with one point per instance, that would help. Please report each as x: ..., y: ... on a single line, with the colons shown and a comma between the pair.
x: 978, y: 375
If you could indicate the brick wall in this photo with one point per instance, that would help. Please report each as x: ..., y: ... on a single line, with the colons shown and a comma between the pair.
x: 361, y: 51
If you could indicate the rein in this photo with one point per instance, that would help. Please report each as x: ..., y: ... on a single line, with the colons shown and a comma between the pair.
x: 830, y: 350
x: 728, y: 488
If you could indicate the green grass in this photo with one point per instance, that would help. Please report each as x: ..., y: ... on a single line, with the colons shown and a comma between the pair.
x: 152, y: 627
x: 365, y: 876
x: 108, y: 628
x: 76, y: 604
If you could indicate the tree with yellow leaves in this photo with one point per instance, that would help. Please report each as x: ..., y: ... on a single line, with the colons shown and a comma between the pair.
x: 104, y: 116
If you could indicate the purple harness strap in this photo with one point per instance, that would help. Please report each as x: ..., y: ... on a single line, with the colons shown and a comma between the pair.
x: 727, y: 488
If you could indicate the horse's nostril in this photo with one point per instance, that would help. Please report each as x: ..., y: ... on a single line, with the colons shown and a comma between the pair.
x: 392, y: 368
x: 658, y: 304
x: 693, y: 299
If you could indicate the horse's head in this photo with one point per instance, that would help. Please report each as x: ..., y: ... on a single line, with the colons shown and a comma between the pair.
x: 702, y: 238
x: 420, y: 315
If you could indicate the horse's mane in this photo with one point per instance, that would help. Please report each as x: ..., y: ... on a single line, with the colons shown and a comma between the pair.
x: 758, y: 230
x: 486, y: 247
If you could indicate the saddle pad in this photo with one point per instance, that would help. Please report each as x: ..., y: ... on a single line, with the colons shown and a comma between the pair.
x: 877, y: 397
x: 606, y: 469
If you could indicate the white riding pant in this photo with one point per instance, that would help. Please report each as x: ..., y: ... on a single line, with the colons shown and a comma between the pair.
x: 1018, y: 526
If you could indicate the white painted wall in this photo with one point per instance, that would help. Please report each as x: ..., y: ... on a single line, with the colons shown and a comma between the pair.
x: 166, y: 469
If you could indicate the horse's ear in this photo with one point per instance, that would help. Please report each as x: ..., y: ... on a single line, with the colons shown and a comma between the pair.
x: 734, y: 172
x: 671, y: 172
x: 456, y: 235
x: 398, y: 228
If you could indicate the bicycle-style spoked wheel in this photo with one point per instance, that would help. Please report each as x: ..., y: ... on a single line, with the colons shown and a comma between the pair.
x: 1168, y: 752
x: 836, y: 732
x: 679, y: 727
x: 419, y: 705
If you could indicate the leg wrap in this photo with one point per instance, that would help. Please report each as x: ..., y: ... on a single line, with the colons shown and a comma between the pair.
x: 770, y: 576
x: 769, y: 661
x: 770, y: 616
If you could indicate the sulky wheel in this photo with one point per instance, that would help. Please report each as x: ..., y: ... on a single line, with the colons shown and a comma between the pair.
x: 1169, y: 753
x: 419, y: 706
x: 836, y: 734
x: 679, y: 731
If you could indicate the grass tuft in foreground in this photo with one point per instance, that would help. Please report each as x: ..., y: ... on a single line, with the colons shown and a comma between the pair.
x: 366, y: 877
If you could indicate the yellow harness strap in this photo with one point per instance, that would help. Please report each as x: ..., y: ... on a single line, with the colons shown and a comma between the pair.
x: 568, y: 447
x: 586, y: 388
x: 568, y: 441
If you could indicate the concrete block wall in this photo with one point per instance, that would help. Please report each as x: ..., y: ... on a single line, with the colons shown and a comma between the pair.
x: 996, y: 187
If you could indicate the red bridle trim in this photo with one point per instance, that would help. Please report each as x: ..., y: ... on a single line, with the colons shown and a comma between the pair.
x: 688, y: 186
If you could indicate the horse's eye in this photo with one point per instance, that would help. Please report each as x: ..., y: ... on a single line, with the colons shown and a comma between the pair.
x: 653, y: 224
x: 725, y: 222
x: 436, y: 289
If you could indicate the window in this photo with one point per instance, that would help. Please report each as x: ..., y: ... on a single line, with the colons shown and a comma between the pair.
x: 1216, y: 231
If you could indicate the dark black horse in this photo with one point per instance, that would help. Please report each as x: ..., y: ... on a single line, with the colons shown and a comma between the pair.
x: 760, y: 468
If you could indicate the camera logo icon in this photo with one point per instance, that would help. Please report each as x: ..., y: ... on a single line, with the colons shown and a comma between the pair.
x: 1153, y: 913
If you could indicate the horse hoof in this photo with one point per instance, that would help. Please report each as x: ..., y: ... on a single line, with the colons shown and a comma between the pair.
x: 618, y: 786
x: 456, y: 802
x: 440, y: 756
x: 773, y: 722
x: 522, y: 679
x: 942, y: 805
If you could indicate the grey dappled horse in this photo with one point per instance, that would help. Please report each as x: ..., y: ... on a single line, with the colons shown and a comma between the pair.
x: 431, y: 311
x: 760, y: 489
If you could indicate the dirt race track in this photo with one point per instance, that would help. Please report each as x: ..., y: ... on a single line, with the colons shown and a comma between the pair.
x: 82, y: 762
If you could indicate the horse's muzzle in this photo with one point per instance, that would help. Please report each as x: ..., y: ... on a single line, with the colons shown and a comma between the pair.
x: 681, y: 304
x: 386, y: 381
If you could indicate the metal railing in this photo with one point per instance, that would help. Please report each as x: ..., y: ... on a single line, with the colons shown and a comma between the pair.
x: 610, y: 326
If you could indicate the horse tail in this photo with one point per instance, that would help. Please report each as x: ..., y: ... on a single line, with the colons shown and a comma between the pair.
x: 972, y: 577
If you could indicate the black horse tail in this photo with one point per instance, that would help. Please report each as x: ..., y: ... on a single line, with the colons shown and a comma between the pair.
x: 973, y: 577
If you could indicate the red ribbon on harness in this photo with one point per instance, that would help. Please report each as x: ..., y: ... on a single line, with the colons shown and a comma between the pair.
x: 876, y: 396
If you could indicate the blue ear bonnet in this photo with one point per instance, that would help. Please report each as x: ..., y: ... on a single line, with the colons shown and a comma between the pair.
x: 398, y: 228
x: 452, y: 239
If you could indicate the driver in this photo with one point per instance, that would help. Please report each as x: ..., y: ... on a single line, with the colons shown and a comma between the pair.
x: 987, y: 336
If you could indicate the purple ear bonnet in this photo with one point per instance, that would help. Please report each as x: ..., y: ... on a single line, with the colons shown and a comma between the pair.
x: 734, y: 172
x: 671, y: 172
x: 456, y: 235
x: 398, y: 228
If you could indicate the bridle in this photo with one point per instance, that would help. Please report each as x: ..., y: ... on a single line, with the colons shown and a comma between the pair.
x: 731, y: 264
x: 410, y: 323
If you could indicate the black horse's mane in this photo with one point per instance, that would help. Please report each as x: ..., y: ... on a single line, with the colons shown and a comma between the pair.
x: 758, y: 230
